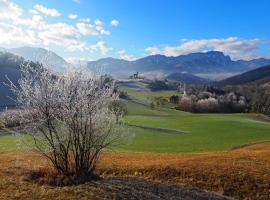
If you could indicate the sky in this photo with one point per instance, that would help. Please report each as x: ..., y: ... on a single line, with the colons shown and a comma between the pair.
x: 131, y: 29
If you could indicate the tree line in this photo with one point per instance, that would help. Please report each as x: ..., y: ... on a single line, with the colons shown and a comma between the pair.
x: 229, y: 99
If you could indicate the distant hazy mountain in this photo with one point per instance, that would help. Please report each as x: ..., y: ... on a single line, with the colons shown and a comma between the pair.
x: 256, y: 75
x: 212, y: 62
x: 187, y: 78
x: 10, y: 67
x: 47, y: 58
x: 115, y: 67
x: 2, y: 49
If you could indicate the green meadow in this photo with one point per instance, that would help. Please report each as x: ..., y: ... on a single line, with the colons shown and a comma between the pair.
x: 165, y: 130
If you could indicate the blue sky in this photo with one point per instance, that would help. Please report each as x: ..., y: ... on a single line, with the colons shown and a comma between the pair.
x: 130, y: 29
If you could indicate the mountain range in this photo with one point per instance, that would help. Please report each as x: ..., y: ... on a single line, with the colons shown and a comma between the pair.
x: 202, y: 64
x: 183, y: 68
x: 210, y: 65
x: 46, y: 57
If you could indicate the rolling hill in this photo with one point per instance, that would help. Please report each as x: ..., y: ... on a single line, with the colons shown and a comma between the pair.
x: 257, y: 75
x: 187, y: 78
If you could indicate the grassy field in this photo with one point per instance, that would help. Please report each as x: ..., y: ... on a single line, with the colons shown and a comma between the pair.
x: 8, y: 142
x: 165, y: 130
x: 15, y: 142
x: 241, y: 173
x: 144, y: 95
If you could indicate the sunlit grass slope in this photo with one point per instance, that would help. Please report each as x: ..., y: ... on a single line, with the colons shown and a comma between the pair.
x: 169, y: 131
x: 166, y: 130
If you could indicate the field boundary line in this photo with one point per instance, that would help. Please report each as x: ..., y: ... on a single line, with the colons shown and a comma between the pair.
x: 248, y: 145
x: 173, y: 131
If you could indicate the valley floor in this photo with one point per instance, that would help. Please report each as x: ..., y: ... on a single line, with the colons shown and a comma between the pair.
x: 242, y: 173
x: 213, y: 157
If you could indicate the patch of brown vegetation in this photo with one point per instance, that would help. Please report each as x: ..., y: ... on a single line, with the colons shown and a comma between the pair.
x: 242, y: 173
x: 18, y: 182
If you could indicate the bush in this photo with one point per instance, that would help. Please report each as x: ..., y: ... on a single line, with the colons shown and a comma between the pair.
x: 118, y: 108
x: 209, y: 105
x: 123, y: 95
x: 152, y: 105
x: 174, y: 99
x: 10, y: 118
x: 70, y: 119
x: 186, y: 104
x: 2, y: 125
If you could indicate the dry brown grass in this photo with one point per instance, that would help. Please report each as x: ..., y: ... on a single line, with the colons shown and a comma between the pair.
x: 242, y: 173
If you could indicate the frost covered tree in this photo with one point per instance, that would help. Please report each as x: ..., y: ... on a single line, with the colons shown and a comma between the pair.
x: 207, y: 105
x: 69, y: 118
x: 118, y: 108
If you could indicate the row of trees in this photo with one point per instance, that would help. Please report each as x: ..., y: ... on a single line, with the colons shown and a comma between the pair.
x: 224, y: 104
x: 257, y: 95
x: 156, y: 85
x: 251, y: 97
x: 205, y: 99
x: 261, y: 100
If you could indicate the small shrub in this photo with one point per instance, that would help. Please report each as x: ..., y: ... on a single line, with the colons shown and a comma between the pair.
x: 152, y: 105
x: 174, y: 99
x: 118, y: 108
x: 10, y: 119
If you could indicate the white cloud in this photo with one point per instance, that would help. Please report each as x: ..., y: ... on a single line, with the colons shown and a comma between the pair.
x: 114, y: 22
x: 17, y: 28
x: 62, y: 34
x: 100, y: 28
x: 153, y: 50
x: 98, y: 22
x: 103, y: 31
x: 9, y: 10
x: 236, y: 47
x: 101, y: 46
x: 72, y: 16
x: 33, y: 12
x: 97, y: 28
x: 86, y: 29
x: 13, y: 34
x: 35, y: 22
x: 123, y: 55
x: 46, y: 11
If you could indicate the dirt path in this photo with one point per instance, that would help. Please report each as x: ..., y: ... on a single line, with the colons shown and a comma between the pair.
x: 134, y: 188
